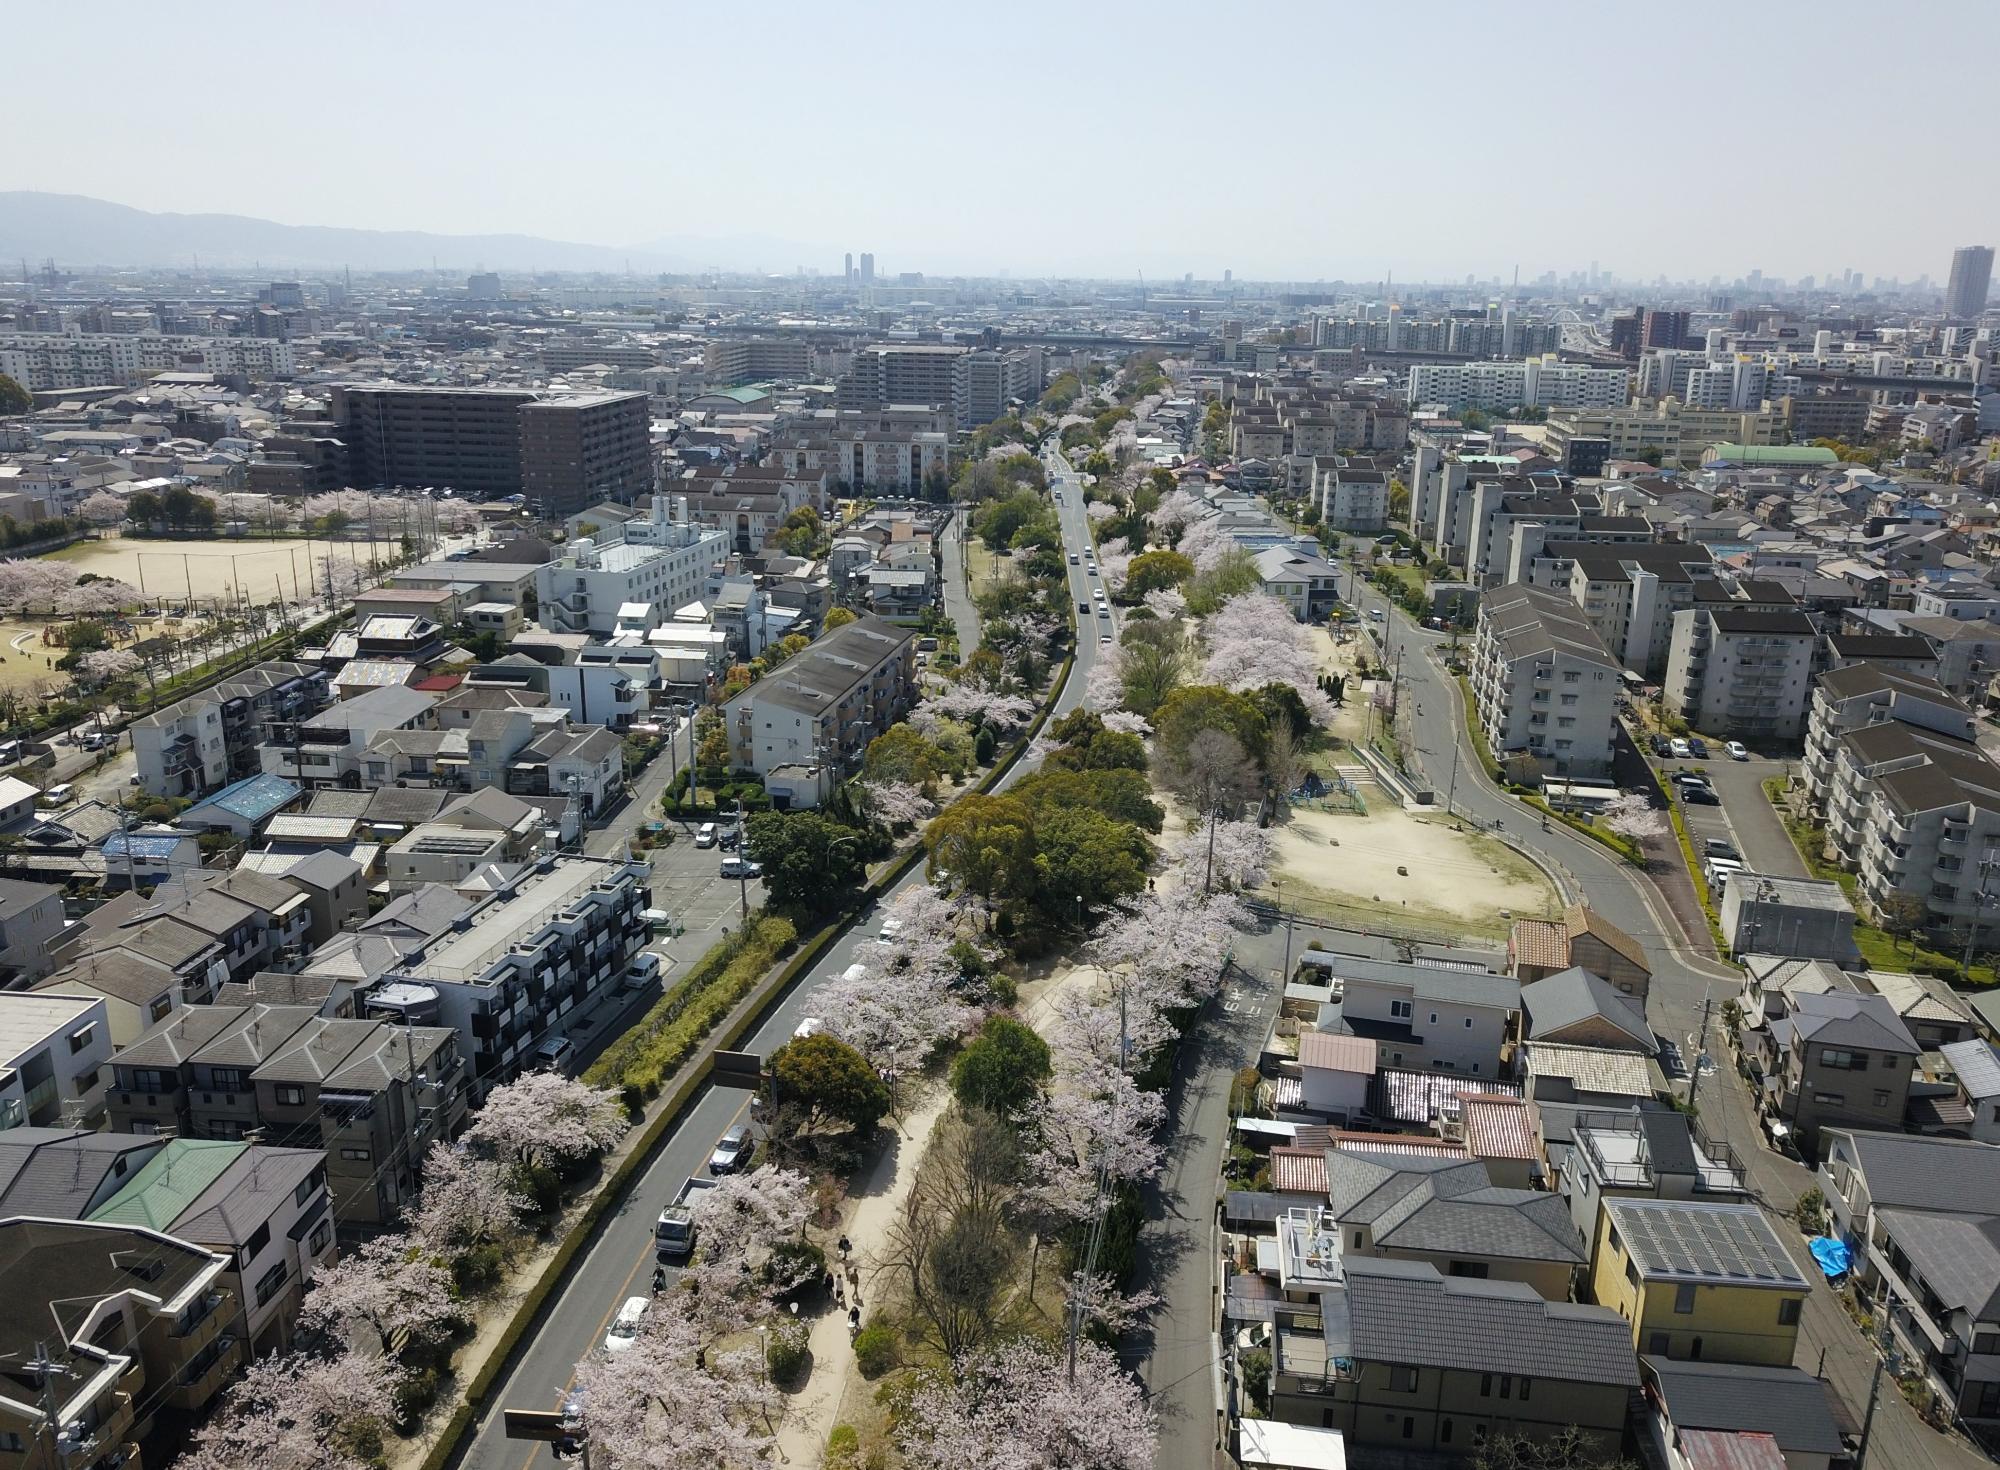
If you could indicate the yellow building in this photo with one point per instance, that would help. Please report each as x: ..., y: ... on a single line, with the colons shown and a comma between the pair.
x: 1699, y: 1281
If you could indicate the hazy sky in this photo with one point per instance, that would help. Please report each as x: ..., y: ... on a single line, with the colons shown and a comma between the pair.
x: 1288, y: 141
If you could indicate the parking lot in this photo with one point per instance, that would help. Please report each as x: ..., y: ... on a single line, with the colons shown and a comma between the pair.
x: 1740, y: 813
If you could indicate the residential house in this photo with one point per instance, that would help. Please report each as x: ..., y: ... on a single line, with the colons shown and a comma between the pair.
x: 585, y: 763
x: 415, y: 758
x: 209, y: 739
x: 138, y: 991
x: 1574, y: 1007
x: 1731, y: 1416
x: 1646, y: 1153
x: 53, y: 1049
x: 1975, y: 1071
x: 1833, y: 1060
x: 475, y: 830
x: 1410, y: 1360
x: 1582, y: 939
x: 1334, y: 1072
x: 1709, y: 1281
x: 31, y: 917
x: 1922, y: 1218
x: 1308, y: 585
x: 1420, y: 1016
x: 242, y: 807
x: 325, y: 749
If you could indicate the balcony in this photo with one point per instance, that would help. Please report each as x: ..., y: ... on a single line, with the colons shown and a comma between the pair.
x: 205, y: 1376
x: 202, y: 1322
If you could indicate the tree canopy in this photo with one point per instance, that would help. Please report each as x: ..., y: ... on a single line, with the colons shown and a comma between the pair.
x: 823, y: 1074
x: 808, y: 858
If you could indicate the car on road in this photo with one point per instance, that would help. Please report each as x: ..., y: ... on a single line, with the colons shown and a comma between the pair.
x: 741, y: 867
x: 1679, y: 749
x: 1093, y: 569
x: 732, y: 1150
x: 1719, y: 847
x: 1737, y: 750
x: 1103, y: 637
x: 730, y: 838
x: 891, y: 927
x: 1083, y: 607
x: 1376, y: 614
x: 1072, y: 558
x: 1697, y: 747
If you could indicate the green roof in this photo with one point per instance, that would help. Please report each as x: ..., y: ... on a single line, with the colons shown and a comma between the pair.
x: 1773, y: 454
x: 173, y: 1179
x: 749, y: 393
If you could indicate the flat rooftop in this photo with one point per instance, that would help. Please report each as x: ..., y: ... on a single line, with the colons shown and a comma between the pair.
x: 508, y: 920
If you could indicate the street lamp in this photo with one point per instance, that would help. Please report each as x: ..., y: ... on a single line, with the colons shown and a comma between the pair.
x: 764, y: 1350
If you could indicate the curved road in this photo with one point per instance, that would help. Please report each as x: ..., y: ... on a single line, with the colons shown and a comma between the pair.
x: 619, y: 1263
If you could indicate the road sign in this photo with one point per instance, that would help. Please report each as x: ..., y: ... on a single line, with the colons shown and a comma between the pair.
x: 544, y: 1424
x: 738, y: 1069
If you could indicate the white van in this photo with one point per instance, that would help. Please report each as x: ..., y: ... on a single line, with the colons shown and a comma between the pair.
x: 810, y: 1026
x: 643, y: 971
x: 625, y: 1326
x: 704, y: 835
x: 854, y: 974
x: 555, y: 1054
x: 56, y: 795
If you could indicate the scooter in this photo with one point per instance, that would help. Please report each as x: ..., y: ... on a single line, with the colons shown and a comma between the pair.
x: 659, y: 1279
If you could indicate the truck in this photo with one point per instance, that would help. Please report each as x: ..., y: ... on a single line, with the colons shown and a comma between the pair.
x: 673, y: 1236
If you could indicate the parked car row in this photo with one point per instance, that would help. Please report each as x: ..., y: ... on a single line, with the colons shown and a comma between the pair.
x: 1692, y: 748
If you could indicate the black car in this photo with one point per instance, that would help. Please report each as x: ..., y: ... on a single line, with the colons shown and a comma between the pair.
x: 1697, y: 747
x: 1692, y: 795
x: 1662, y: 747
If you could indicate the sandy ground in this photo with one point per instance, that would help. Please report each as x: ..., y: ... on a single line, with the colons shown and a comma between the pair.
x: 265, y: 570
x: 26, y: 666
x: 1343, y: 866
x: 1350, y: 719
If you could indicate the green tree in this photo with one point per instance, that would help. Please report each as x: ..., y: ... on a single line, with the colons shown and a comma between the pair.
x: 1000, y: 521
x: 1234, y: 574
x: 1001, y: 1069
x: 1061, y: 393
x: 821, y: 1077
x: 1155, y: 658
x: 809, y: 860
x: 711, y: 740
x: 1156, y: 571
x: 142, y: 508
x: 839, y: 617
x: 789, y: 646
x: 1187, y: 712
x: 1123, y: 795
x: 901, y: 754
x: 13, y: 397
x: 1083, y: 855
x: 987, y: 844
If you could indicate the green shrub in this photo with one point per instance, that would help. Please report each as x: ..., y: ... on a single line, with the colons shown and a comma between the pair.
x: 413, y: 1395
x: 875, y: 1349
x: 787, y: 1352
x: 843, y: 1446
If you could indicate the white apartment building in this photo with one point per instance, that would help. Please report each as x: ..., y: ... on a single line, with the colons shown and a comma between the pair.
x: 54, y: 1051
x: 1741, y: 672
x: 41, y: 362
x: 824, y: 705
x: 1534, y: 382
x: 1545, y: 684
x: 1862, y: 694
x: 638, y: 574
x: 1352, y: 499
x: 509, y: 975
x: 1741, y: 384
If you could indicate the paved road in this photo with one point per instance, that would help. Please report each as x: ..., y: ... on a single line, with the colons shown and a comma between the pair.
x: 619, y: 1263
x: 1681, y: 980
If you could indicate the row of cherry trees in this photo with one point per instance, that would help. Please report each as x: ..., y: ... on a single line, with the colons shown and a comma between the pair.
x: 341, y: 509
x: 382, y: 1317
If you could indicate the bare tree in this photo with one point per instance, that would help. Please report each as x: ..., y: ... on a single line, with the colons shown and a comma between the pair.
x: 952, y: 1244
x: 1217, y: 778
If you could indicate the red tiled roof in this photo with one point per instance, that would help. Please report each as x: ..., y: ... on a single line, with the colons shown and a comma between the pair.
x: 1497, y: 1127
x: 439, y: 683
x: 1298, y: 1170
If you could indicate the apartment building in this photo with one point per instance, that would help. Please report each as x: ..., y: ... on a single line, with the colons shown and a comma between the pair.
x: 482, y: 828
x: 1681, y: 434
x: 135, y: 1324
x: 372, y: 1095
x: 1534, y: 382
x: 466, y: 438
x: 887, y: 373
x: 1857, y: 695
x: 893, y: 461
x: 211, y: 739
x: 53, y: 1049
x: 1351, y: 499
x: 638, y: 575
x: 988, y: 385
x: 730, y: 362
x: 326, y: 749
x: 508, y: 974
x: 1739, y: 672
x: 45, y: 362
x: 1834, y: 1059
x: 1703, y: 1280
x: 1628, y: 591
x: 207, y: 925
x: 1545, y: 685
x: 585, y: 447
x: 824, y: 705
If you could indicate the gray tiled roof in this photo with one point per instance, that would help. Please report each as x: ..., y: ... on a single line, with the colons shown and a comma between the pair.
x: 57, y: 1173
x: 1575, y: 995
x: 1788, y: 1404
x: 1448, y: 1205
x: 1404, y: 1312
x: 1957, y: 1256
x: 1867, y: 1022
x: 245, y: 1196
x: 1977, y: 1066
x: 1674, y: 1240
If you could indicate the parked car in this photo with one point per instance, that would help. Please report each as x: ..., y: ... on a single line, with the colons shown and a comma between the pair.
x: 1698, y: 747
x: 1737, y: 751
x: 704, y: 835
x: 741, y: 867
x: 891, y: 927
x: 1679, y: 749
x: 1661, y: 746
x: 731, y: 1150
x: 643, y: 971
x: 1702, y: 795
x: 730, y: 838
x: 1719, y: 847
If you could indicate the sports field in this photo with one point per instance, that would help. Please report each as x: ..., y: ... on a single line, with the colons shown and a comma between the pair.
x: 224, y: 569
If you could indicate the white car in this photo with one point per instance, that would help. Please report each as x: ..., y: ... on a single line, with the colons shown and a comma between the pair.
x: 891, y: 927
x: 625, y: 1326
x: 1679, y: 749
x: 1737, y: 751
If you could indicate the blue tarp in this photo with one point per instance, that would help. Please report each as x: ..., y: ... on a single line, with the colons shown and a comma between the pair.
x: 1834, y: 1257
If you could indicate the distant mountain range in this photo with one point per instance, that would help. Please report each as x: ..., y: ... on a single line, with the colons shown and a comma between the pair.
x: 79, y: 232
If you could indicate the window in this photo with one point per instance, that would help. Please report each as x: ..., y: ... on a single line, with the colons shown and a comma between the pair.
x: 1401, y: 1010
x: 360, y: 1155
x: 1830, y: 1099
x: 80, y: 1038
x: 1409, y: 1427
x: 1788, y: 1312
x: 1402, y: 1380
x: 1486, y: 1385
x: 160, y: 1008
x: 1444, y: 1432
x: 1526, y: 1382
x: 291, y: 1096
x: 86, y: 1080
x: 10, y: 1441
x: 1656, y: 1344
x: 1478, y: 1270
x: 1843, y: 1061
x: 321, y: 1234
x: 1357, y: 1239
x: 1684, y: 1298
x: 1434, y: 1018
x: 1468, y: 1023
x: 271, y: 1283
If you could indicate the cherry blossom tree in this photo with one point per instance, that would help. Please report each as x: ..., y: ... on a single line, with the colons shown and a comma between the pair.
x: 739, y: 1263
x: 1206, y: 543
x: 1632, y: 816
x: 298, y: 1412
x: 389, y: 1286
x: 1176, y: 511
x: 1094, y: 1127
x: 102, y: 508
x: 1104, y: 685
x: 1004, y: 712
x: 1169, y: 604
x: 1014, y: 1406
x: 1242, y: 852
x: 236, y: 505
x: 1101, y: 510
x: 1175, y: 942
x: 105, y: 595
x: 666, y: 1403
x: 896, y: 1015
x: 895, y: 803
x: 339, y: 578
x: 454, y: 517
x: 105, y: 664
x: 29, y: 583
x: 547, y: 1118
x: 467, y: 1202
x: 1099, y: 1300
x: 1114, y: 560
x: 1124, y: 722
x: 1254, y: 640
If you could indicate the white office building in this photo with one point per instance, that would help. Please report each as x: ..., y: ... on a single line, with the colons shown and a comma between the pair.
x: 642, y: 570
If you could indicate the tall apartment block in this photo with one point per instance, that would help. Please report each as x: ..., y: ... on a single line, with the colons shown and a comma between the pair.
x: 735, y: 361
x: 886, y: 373
x: 1971, y: 277
x: 587, y: 448
x: 1665, y: 329
x: 466, y: 438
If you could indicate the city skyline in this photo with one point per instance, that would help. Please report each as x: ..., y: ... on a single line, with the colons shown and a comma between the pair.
x: 1351, y: 177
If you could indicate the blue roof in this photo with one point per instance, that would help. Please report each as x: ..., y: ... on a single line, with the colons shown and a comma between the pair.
x: 255, y: 797
x: 119, y: 844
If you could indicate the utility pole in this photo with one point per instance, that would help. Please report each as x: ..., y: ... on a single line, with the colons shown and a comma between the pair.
x: 1979, y: 901
x: 1868, y: 1419
x: 1700, y: 1049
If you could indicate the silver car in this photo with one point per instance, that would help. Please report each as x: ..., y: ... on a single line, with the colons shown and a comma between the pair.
x: 732, y: 1151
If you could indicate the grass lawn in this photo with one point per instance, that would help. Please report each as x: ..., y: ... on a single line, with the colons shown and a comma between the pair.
x: 1881, y: 949
x: 1411, y: 577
